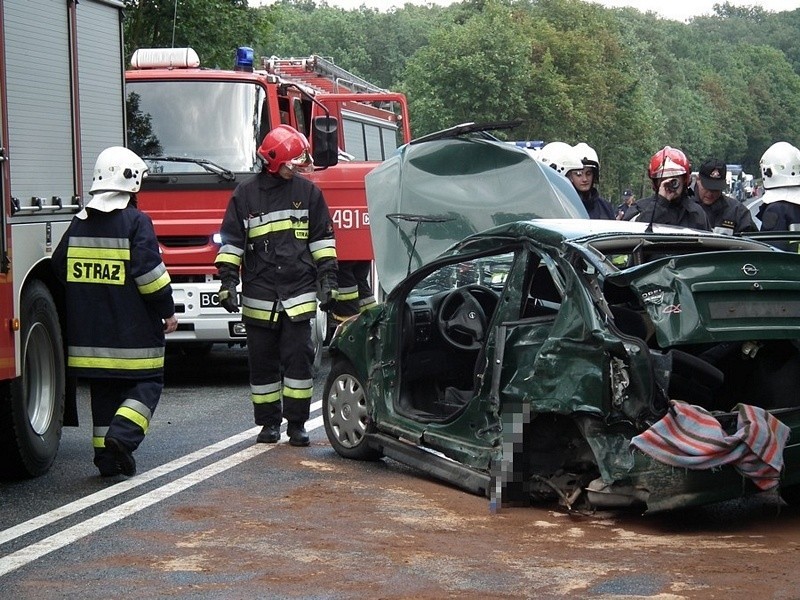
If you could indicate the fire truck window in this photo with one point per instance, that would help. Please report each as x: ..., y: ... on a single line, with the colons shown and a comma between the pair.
x: 300, y: 117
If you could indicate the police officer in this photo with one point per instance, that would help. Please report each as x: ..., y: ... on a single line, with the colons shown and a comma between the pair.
x: 780, y: 170
x: 726, y: 215
x: 278, y: 233
x: 118, y: 306
x: 670, y: 174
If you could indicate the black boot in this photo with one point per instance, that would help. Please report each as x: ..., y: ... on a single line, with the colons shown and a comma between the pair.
x: 297, y: 434
x: 106, y: 462
x: 270, y: 434
x: 123, y: 456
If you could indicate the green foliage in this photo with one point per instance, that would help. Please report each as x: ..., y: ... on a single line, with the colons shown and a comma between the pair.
x: 625, y: 82
x: 214, y: 28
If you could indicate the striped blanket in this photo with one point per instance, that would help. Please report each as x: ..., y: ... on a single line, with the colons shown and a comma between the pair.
x: 689, y: 436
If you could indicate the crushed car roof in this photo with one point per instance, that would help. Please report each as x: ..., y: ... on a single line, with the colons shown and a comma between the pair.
x: 432, y: 194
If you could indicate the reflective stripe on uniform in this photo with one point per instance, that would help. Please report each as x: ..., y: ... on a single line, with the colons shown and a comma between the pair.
x: 299, y: 389
x: 278, y: 220
x: 263, y: 394
x: 323, y: 249
x: 261, y: 310
x: 348, y: 293
x: 99, y: 437
x: 155, y: 280
x: 229, y: 254
x: 97, y: 260
x: 99, y: 247
x: 366, y: 303
x: 136, y: 412
x: 304, y: 304
x: 115, y: 358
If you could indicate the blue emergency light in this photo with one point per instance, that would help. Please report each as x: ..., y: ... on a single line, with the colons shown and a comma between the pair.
x: 244, y: 59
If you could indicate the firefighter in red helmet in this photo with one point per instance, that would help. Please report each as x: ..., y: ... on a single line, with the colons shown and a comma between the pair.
x: 670, y: 173
x: 278, y: 234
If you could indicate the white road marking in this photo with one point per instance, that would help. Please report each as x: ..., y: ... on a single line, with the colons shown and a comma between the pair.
x: 72, y: 534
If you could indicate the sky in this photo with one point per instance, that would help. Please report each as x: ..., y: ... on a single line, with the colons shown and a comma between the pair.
x: 679, y: 10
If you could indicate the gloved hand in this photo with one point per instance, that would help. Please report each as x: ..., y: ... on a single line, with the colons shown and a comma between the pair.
x: 328, y: 299
x: 227, y: 298
x: 328, y: 292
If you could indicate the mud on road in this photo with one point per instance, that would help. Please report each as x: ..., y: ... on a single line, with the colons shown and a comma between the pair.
x: 305, y: 523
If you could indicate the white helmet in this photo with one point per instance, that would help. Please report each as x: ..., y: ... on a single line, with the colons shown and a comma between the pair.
x: 588, y: 157
x: 780, y: 166
x: 560, y: 156
x: 118, y: 170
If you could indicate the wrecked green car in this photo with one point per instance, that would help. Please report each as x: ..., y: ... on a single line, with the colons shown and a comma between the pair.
x: 599, y: 364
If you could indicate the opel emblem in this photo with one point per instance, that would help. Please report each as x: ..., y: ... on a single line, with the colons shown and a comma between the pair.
x: 749, y: 270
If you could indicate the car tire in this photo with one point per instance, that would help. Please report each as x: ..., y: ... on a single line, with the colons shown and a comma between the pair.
x: 32, y: 405
x: 345, y: 414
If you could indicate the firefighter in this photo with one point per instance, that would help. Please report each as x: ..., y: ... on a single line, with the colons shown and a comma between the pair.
x: 780, y: 170
x: 278, y: 233
x: 670, y: 173
x: 355, y: 291
x: 726, y: 215
x: 118, y: 306
x: 585, y: 183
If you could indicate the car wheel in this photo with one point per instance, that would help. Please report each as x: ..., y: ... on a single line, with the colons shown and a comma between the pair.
x: 32, y: 405
x: 344, y: 412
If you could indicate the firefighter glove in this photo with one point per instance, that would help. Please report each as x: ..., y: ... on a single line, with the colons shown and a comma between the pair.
x: 227, y: 298
x: 328, y: 292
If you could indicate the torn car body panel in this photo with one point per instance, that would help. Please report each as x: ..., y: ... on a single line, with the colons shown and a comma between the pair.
x: 522, y: 360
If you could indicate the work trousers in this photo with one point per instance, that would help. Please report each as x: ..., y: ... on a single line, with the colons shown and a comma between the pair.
x: 281, y: 383
x: 122, y: 409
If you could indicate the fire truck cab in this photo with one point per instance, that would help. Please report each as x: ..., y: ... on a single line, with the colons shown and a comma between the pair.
x: 198, y: 130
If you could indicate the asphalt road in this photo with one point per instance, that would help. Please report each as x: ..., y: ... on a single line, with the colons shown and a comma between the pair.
x: 212, y: 515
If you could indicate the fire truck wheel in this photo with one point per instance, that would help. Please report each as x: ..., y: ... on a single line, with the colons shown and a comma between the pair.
x: 32, y: 405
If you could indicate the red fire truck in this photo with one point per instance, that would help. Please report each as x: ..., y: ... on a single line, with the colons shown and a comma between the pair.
x: 61, y: 104
x: 198, y: 130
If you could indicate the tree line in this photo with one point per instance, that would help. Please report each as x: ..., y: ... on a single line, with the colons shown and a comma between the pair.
x: 626, y: 82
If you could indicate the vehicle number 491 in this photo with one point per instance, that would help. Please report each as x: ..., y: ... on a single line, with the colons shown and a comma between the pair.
x: 350, y: 218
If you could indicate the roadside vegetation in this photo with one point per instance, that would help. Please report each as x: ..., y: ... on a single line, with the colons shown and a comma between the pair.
x: 624, y: 81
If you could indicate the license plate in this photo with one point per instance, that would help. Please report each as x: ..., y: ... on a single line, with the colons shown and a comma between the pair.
x: 211, y: 300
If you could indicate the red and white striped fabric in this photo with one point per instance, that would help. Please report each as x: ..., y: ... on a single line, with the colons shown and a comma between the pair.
x: 689, y: 436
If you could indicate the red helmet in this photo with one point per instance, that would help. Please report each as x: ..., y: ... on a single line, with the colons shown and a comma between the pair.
x: 285, y: 145
x: 667, y: 163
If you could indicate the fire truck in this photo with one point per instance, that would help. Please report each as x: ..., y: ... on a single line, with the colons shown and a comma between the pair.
x: 61, y: 104
x: 198, y: 129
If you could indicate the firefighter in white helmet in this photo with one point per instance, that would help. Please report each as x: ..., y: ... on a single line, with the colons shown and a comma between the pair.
x: 780, y: 170
x: 118, y: 306
x: 585, y: 180
x: 277, y: 232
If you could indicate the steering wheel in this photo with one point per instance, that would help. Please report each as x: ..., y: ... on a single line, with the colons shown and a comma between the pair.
x: 462, y: 320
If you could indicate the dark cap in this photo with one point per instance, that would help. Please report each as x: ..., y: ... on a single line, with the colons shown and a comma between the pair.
x: 627, y: 193
x: 712, y: 174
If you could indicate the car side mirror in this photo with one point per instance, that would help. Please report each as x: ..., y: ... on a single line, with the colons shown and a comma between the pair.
x: 325, y: 141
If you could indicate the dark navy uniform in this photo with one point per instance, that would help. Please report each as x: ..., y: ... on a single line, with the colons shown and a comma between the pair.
x: 728, y: 216
x: 117, y: 294
x: 683, y: 212
x: 355, y: 292
x: 278, y: 233
x: 597, y: 206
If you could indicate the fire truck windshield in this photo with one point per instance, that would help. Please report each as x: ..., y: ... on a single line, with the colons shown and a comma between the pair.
x: 194, y: 124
